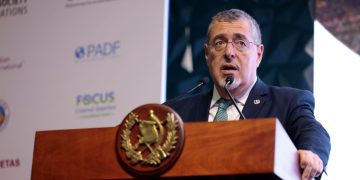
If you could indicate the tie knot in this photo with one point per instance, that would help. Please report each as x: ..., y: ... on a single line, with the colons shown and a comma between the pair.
x: 224, y: 103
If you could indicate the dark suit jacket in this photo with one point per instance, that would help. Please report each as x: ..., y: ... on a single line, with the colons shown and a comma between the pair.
x: 293, y: 107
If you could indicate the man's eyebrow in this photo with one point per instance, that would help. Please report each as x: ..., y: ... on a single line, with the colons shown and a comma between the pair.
x: 240, y: 36
x: 235, y: 35
x: 219, y: 36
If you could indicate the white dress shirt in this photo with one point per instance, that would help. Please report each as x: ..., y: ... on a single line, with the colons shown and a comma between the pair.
x: 232, y: 113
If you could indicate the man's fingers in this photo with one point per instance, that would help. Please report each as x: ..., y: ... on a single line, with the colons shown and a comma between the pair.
x: 313, y: 173
x: 310, y: 164
x: 306, y: 175
x: 319, y: 168
x: 304, y: 159
x: 305, y: 165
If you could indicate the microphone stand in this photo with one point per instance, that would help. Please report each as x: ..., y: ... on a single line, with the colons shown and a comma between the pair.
x: 229, y: 80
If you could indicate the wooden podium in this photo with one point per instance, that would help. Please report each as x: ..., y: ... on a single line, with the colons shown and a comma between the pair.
x: 250, y: 149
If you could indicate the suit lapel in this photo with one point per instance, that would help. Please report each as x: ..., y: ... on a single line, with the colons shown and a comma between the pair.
x: 203, y: 107
x: 258, y: 97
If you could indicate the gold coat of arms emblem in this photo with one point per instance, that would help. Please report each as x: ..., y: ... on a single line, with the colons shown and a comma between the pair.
x: 150, y: 139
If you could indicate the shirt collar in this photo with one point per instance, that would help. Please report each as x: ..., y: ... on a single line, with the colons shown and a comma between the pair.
x: 240, y: 100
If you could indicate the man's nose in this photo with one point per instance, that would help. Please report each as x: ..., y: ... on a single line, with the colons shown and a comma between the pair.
x: 230, y: 51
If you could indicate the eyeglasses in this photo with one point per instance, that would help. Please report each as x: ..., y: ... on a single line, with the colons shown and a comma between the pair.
x: 239, y: 44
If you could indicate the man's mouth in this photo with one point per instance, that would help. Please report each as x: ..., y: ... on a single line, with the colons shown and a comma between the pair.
x: 229, y: 67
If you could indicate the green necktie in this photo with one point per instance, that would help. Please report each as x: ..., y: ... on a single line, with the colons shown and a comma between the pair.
x: 221, y: 114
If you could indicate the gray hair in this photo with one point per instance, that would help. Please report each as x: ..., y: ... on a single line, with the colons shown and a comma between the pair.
x: 234, y: 15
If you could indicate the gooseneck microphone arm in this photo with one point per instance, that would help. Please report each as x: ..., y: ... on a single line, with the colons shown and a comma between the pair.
x: 229, y: 80
x: 201, y: 83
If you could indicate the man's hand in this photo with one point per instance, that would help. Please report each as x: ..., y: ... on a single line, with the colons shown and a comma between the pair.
x: 310, y: 163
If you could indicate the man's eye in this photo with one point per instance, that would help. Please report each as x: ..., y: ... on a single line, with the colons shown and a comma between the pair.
x: 240, y: 43
x: 219, y: 43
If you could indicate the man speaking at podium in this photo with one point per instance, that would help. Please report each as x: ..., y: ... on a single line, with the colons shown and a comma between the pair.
x: 233, y: 52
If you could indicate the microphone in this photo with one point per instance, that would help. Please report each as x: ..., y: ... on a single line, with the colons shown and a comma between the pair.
x: 229, y: 80
x: 202, y: 83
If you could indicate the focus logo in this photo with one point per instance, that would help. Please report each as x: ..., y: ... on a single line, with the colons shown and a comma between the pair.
x: 95, y: 99
x: 95, y: 105
x: 4, y: 113
x: 99, y: 50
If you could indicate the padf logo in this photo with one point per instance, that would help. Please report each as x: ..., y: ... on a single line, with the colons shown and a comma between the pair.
x: 4, y: 113
x: 98, y: 50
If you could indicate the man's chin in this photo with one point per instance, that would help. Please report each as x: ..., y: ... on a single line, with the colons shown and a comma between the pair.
x: 230, y: 87
x: 234, y: 85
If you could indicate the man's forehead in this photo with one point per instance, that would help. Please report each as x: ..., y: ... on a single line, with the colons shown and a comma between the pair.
x: 234, y: 29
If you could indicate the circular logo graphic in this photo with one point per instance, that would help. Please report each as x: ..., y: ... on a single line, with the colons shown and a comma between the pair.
x: 150, y: 140
x: 80, y: 52
x: 4, y: 113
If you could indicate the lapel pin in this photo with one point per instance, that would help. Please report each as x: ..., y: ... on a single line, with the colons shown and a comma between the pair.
x: 257, y: 101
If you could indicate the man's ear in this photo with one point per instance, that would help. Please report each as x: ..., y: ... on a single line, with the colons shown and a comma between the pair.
x: 260, y: 52
x: 207, y: 50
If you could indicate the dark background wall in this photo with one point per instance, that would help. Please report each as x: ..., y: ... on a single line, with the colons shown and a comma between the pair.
x: 287, y: 30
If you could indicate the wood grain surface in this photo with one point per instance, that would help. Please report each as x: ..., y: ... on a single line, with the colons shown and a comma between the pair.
x: 211, y: 149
